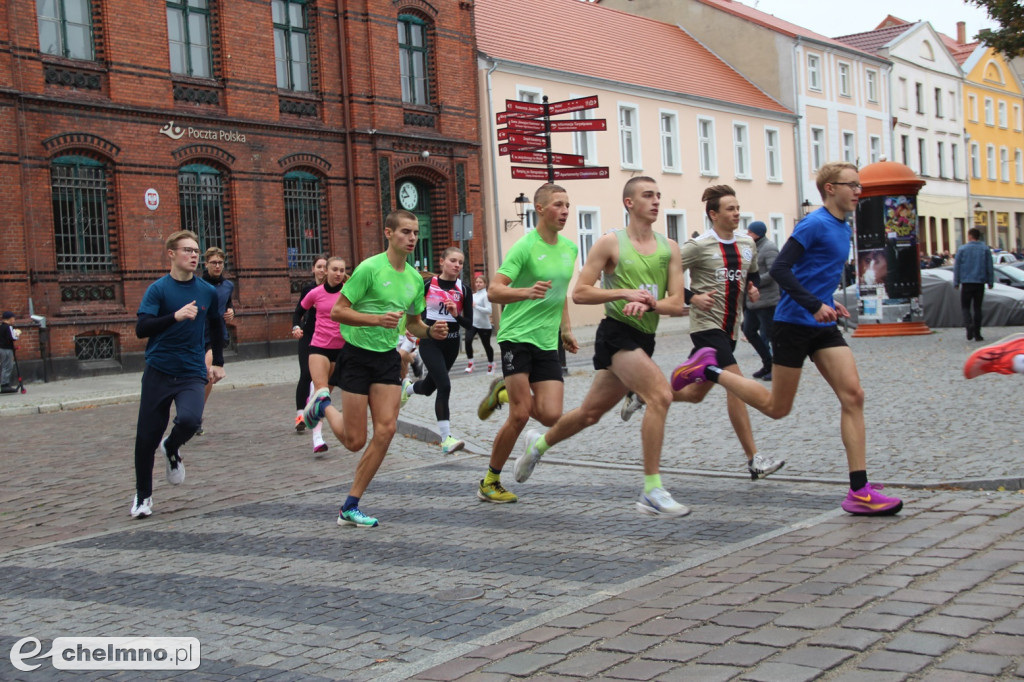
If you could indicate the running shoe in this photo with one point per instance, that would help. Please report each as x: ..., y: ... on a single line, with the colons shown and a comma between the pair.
x: 300, y: 425
x: 316, y: 407
x: 200, y: 431
x: 405, y: 394
x: 143, y: 509
x: 762, y: 466
x: 767, y: 369
x: 354, y: 517
x: 692, y: 371
x: 659, y: 503
x: 175, y: 467
x: 469, y: 367
x: 490, y: 370
x: 319, y: 448
x: 529, y: 459
x: 494, y: 492
x: 997, y: 358
x: 869, y: 502
x: 417, y: 367
x: 490, y: 402
x: 451, y: 444
x: 631, y: 405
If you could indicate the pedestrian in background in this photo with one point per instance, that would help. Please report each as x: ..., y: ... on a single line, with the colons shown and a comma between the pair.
x: 8, y: 335
x: 303, y: 326
x: 973, y: 269
x: 757, y: 322
x: 214, y: 260
x: 481, y: 324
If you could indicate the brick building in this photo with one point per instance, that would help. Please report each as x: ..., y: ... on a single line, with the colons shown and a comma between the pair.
x: 274, y: 130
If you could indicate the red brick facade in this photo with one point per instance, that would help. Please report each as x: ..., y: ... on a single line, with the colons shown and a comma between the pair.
x: 143, y: 124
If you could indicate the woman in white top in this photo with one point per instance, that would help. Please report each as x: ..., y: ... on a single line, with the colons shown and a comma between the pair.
x: 481, y: 324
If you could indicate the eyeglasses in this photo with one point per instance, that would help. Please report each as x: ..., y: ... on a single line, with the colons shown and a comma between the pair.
x: 189, y: 250
x: 852, y: 185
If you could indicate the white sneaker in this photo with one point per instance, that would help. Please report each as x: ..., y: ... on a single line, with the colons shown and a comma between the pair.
x: 659, y: 503
x: 529, y: 459
x: 451, y: 444
x: 763, y: 465
x: 141, y: 511
x: 175, y: 468
x: 631, y: 405
x: 469, y: 368
x: 490, y: 370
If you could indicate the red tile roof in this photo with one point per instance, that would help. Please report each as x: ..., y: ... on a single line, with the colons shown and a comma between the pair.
x: 591, y: 40
x: 873, y: 41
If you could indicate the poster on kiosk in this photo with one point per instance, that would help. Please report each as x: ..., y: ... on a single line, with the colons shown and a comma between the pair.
x: 888, y: 263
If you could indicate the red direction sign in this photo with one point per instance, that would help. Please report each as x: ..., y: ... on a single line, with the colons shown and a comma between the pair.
x: 527, y: 124
x: 570, y: 105
x: 506, y: 149
x: 575, y: 126
x: 518, y: 107
x: 528, y: 173
x: 542, y: 157
x: 524, y: 140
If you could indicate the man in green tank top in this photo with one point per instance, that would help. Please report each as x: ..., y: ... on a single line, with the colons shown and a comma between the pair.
x: 532, y: 283
x: 642, y: 278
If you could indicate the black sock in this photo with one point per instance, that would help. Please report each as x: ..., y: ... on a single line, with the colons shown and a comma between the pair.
x: 858, y: 479
x: 711, y: 373
x: 350, y: 503
x: 496, y: 472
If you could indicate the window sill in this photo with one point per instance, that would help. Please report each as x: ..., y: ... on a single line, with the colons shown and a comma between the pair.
x: 672, y: 171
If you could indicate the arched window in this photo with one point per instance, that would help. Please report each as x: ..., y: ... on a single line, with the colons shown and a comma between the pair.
x: 414, y: 58
x: 303, y: 219
x: 80, y: 216
x: 201, y: 202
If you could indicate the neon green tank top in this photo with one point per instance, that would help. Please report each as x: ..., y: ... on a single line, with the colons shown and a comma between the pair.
x: 638, y: 271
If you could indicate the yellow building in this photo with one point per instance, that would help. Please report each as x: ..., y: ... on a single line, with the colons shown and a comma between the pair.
x: 993, y: 104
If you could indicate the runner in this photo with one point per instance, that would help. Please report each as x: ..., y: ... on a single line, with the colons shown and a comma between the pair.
x: 1005, y: 356
x: 214, y: 259
x: 447, y: 300
x: 808, y: 270
x: 641, y: 280
x: 381, y: 291
x: 173, y: 315
x: 481, y: 324
x: 722, y: 267
x: 532, y: 283
x: 327, y: 341
x: 303, y: 326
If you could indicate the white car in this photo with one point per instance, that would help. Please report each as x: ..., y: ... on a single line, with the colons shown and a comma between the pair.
x: 1003, y: 257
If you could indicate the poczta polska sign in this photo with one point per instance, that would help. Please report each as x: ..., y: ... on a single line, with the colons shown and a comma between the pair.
x: 527, y: 138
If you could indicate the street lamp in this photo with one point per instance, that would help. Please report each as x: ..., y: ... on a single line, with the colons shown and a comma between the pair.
x: 521, y: 202
x: 806, y: 206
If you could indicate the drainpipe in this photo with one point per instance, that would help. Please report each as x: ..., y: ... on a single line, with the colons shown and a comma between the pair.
x: 346, y: 109
x: 797, y: 136
x: 491, y: 124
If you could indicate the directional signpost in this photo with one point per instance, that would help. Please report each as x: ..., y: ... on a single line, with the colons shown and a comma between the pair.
x: 527, y: 138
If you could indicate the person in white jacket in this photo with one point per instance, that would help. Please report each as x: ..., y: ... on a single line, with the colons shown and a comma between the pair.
x: 481, y: 324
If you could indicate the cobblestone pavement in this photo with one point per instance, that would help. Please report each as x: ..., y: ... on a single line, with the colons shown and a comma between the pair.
x: 763, y: 581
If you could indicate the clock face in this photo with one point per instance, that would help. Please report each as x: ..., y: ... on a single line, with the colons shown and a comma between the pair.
x: 408, y: 196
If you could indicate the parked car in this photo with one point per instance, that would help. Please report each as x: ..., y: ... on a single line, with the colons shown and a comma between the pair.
x: 1000, y: 257
x: 1009, y: 275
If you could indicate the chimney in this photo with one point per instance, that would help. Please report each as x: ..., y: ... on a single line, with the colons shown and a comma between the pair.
x: 961, y: 32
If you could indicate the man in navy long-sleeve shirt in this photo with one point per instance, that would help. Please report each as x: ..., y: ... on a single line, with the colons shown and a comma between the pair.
x: 973, y: 269
x: 173, y: 315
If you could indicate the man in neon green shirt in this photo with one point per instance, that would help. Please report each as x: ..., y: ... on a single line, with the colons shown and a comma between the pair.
x: 380, y: 292
x: 532, y: 284
x: 641, y: 278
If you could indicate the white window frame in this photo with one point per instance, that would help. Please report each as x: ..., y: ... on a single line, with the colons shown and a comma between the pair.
x: 669, y: 141
x: 681, y: 235
x: 940, y: 148
x: 844, y: 80
x: 529, y: 93
x: 874, y: 148
x: 818, y: 151
x: 990, y: 161
x: 919, y: 97
x: 776, y: 223
x: 529, y: 219
x: 975, y: 161
x: 629, y: 136
x: 952, y: 105
x: 584, y: 143
x: 871, y: 77
x: 1004, y: 164
x: 938, y: 102
x: 1018, y: 162
x: 905, y: 149
x: 1001, y: 112
x: 1016, y: 117
x: 922, y: 156
x: 901, y: 93
x: 990, y: 112
x: 814, y: 72
x: 706, y: 150
x: 773, y: 154
x: 593, y: 231
x: 741, y: 150
x: 745, y: 220
x: 954, y: 153
x: 849, y: 146
x: 972, y: 108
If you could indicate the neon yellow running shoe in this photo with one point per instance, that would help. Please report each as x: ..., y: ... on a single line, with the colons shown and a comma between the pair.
x: 490, y: 402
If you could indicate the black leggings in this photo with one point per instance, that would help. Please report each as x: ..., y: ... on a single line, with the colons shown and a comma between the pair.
x: 302, y: 388
x: 485, y: 341
x: 438, y: 356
